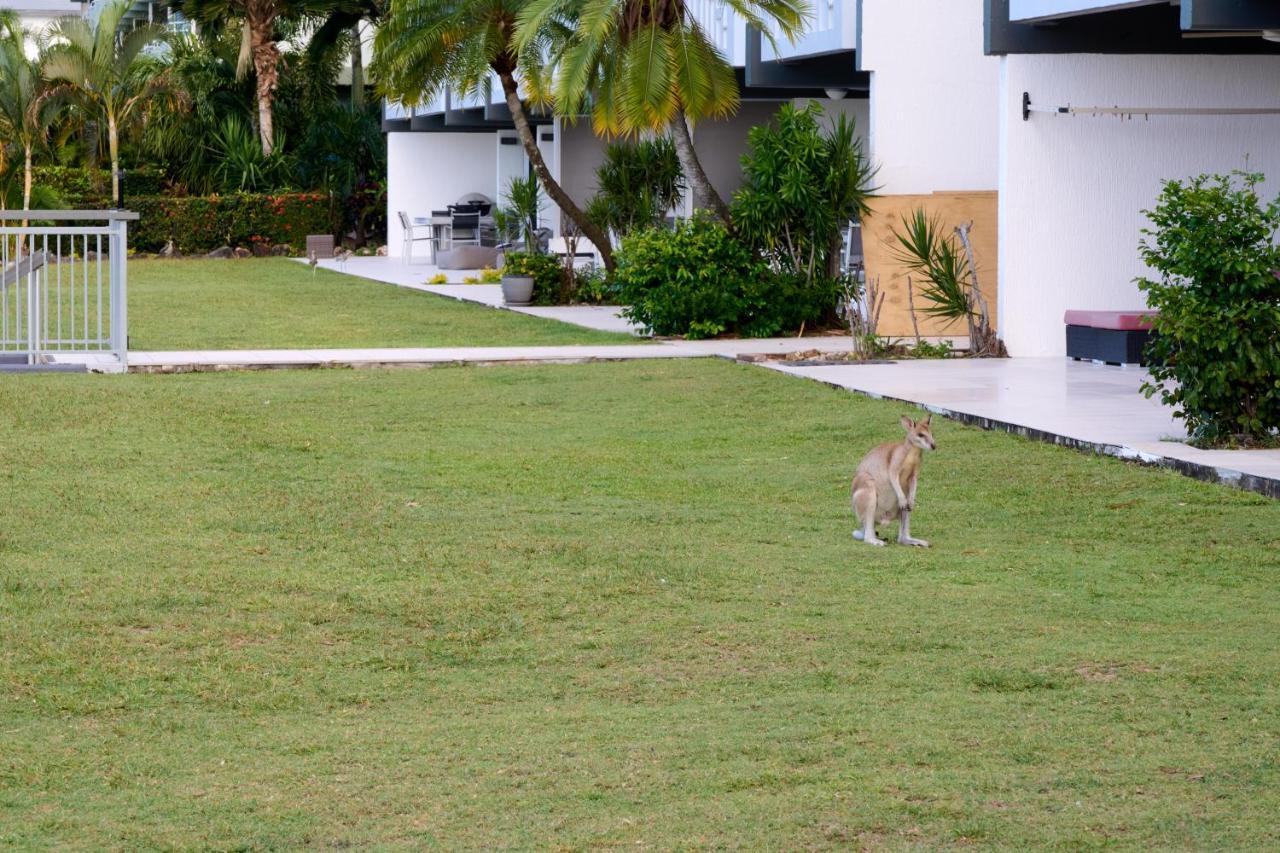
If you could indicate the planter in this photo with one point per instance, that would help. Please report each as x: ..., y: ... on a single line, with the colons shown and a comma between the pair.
x: 517, y: 290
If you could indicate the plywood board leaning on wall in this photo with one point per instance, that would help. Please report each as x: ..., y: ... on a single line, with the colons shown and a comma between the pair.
x: 878, y: 246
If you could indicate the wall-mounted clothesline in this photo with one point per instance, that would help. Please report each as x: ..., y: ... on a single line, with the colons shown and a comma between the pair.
x: 1129, y: 112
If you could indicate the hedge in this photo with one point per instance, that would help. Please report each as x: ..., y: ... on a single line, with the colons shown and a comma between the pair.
x: 203, y: 223
x: 90, y: 189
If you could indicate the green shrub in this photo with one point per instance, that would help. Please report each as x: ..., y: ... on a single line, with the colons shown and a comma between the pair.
x: 696, y: 280
x: 547, y: 273
x: 1215, y: 354
x: 593, y: 286
x: 90, y: 189
x: 203, y: 223
x: 639, y: 183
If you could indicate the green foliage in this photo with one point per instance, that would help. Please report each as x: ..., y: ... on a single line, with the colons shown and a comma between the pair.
x: 203, y: 223
x: 1215, y: 354
x: 489, y: 275
x: 240, y: 165
x: 547, y: 273
x: 700, y: 282
x: 639, y: 182
x: 518, y: 220
x: 937, y: 260
x: 801, y: 186
x: 925, y: 349
x: 594, y: 286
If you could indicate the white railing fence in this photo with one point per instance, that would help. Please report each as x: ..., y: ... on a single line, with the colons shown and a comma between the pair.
x: 63, y: 283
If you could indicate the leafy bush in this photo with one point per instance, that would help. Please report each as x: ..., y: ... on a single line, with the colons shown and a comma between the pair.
x: 638, y: 183
x: 801, y: 186
x: 546, y: 271
x: 240, y: 165
x: 203, y: 223
x: 593, y: 286
x: 1215, y: 354
x: 696, y: 280
x: 90, y: 189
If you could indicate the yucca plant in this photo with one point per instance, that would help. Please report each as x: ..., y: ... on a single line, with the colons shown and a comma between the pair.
x: 945, y: 267
x: 240, y: 163
x: 639, y: 182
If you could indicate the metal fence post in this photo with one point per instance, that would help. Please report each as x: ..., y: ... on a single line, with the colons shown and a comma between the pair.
x: 119, y: 290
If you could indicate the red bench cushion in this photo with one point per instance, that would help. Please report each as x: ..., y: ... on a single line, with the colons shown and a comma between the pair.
x: 1125, y: 321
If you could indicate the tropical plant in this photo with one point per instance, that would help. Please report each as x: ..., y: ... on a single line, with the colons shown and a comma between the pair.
x: 944, y: 263
x: 259, y: 21
x: 424, y: 46
x: 1215, y: 350
x: 27, y: 109
x: 638, y: 65
x: 240, y: 165
x: 110, y: 75
x: 801, y: 187
x: 545, y: 270
x: 638, y: 183
x: 341, y: 27
x: 518, y: 220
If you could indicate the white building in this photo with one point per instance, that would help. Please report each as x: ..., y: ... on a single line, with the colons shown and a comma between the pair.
x: 37, y: 15
x: 937, y: 87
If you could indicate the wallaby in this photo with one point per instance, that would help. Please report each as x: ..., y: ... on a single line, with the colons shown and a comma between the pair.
x: 885, y: 483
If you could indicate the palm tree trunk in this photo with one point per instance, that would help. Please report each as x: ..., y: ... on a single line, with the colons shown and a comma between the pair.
x: 704, y: 195
x: 357, y: 69
x: 266, y: 69
x: 593, y: 232
x: 113, y: 147
x: 26, y: 180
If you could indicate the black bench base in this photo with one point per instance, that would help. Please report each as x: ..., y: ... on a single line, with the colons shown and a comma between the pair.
x: 1112, y: 346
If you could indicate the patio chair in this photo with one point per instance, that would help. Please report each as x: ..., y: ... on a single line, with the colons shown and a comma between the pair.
x: 409, y: 229
x: 464, y: 227
x: 22, y: 268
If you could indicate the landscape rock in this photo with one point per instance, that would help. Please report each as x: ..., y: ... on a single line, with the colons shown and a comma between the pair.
x: 382, y: 251
x: 261, y: 250
x: 281, y: 250
x: 242, y: 252
x: 224, y: 252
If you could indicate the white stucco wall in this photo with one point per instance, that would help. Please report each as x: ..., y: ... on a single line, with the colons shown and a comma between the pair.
x: 933, y: 110
x: 1072, y: 187
x: 429, y: 171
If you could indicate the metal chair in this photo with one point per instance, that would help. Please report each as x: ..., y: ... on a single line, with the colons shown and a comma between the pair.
x: 468, y: 224
x: 408, y: 228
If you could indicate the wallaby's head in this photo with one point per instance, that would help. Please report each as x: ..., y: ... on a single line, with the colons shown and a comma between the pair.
x: 918, y: 433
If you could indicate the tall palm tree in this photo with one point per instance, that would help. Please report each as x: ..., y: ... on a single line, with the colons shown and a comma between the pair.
x: 646, y: 65
x: 108, y: 73
x: 258, y: 47
x: 342, y: 19
x: 27, y: 110
x: 424, y: 46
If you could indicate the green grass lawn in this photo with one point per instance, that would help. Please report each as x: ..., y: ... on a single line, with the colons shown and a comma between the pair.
x: 276, y: 303
x: 608, y: 605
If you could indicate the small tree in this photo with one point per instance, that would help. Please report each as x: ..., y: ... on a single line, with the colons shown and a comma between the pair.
x: 944, y: 262
x: 27, y: 112
x: 638, y: 183
x: 1215, y: 352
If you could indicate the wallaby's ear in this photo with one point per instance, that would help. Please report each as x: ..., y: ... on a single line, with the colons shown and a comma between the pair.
x: 927, y: 419
x: 907, y: 423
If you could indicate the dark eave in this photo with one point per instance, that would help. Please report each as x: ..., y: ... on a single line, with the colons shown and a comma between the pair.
x: 806, y: 77
x: 1198, y: 27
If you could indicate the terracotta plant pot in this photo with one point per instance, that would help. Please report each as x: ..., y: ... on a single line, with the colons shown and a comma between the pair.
x: 517, y: 290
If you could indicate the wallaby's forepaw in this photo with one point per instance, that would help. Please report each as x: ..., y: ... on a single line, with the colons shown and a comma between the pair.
x: 918, y: 543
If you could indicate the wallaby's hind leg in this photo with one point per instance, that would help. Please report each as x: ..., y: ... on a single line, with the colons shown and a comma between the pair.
x: 864, y: 507
x: 904, y: 532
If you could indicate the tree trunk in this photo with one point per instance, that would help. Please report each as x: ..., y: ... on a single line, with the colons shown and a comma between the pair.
x: 266, y: 69
x: 113, y: 147
x: 704, y: 195
x: 26, y: 180
x: 594, y: 233
x: 357, y: 69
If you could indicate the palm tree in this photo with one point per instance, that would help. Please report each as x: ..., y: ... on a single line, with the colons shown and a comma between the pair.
x: 424, y: 46
x: 109, y: 74
x: 342, y: 19
x: 258, y: 46
x: 646, y: 65
x: 27, y: 112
